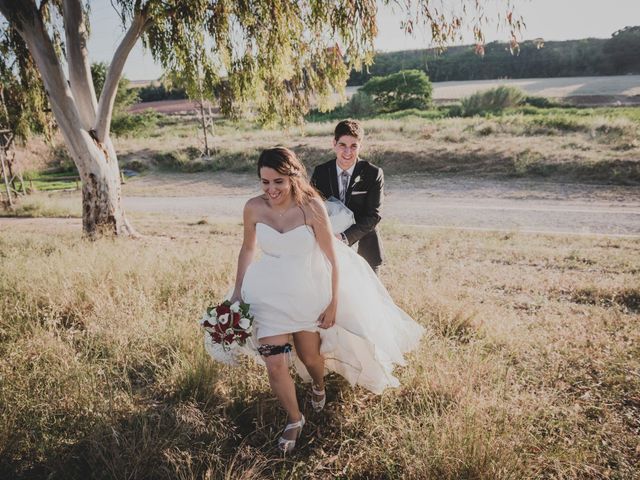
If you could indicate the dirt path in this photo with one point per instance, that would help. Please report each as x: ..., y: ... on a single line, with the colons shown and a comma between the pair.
x: 462, y: 203
x: 425, y: 201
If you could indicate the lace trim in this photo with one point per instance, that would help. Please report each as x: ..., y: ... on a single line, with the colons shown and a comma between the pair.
x: 269, y: 350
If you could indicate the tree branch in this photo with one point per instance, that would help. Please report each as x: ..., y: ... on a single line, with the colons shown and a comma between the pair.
x: 107, y: 97
x: 75, y: 30
x: 25, y: 17
x: 42, y: 6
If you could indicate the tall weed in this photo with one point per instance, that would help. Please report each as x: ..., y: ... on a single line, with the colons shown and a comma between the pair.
x: 493, y: 100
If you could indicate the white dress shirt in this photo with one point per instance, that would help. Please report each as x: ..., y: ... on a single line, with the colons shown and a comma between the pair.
x: 339, y: 172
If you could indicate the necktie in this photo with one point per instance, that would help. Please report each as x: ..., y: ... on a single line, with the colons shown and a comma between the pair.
x: 344, y: 178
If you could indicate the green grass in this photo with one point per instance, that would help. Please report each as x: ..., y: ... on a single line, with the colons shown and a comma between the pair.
x: 554, y: 143
x: 45, y: 181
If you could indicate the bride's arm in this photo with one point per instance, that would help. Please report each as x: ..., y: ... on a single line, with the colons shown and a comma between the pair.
x: 324, y: 236
x: 248, y: 249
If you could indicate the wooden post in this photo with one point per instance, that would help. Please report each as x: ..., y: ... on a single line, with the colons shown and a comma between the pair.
x: 203, y: 122
x: 6, y: 180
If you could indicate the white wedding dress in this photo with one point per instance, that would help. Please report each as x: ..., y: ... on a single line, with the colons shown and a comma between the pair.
x: 289, y: 286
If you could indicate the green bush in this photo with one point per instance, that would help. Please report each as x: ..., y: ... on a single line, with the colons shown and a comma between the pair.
x: 61, y: 161
x: 540, y: 102
x: 361, y: 104
x: 493, y: 100
x: 134, y: 125
x: 400, y: 91
x: 136, y: 166
x: 453, y: 110
x: 178, y: 160
x: 557, y: 124
x: 153, y: 93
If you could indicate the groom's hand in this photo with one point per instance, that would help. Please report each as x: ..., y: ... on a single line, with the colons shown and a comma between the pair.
x: 341, y: 237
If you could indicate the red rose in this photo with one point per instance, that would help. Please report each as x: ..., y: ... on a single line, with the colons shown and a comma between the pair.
x: 229, y: 338
x: 222, y: 309
x: 236, y: 320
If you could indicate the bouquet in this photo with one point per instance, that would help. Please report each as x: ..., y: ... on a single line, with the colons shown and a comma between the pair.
x: 226, y: 326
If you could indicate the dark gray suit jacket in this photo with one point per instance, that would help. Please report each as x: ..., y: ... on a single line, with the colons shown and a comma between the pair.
x: 364, y: 198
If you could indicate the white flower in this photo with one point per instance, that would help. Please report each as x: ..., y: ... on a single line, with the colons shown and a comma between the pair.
x: 223, y: 319
x: 357, y: 179
x: 244, y: 323
x: 235, y: 307
x: 208, y: 318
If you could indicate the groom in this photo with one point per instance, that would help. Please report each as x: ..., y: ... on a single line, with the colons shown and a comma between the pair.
x: 359, y: 185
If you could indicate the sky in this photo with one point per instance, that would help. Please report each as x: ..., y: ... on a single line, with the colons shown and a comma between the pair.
x: 547, y: 19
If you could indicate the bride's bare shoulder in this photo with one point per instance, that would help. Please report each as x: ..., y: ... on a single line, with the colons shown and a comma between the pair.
x: 255, y: 203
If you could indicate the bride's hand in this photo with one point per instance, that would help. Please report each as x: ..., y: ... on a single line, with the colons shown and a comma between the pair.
x: 327, y: 318
x: 235, y: 297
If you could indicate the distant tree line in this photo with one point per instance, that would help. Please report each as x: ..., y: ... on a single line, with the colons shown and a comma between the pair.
x: 618, y: 55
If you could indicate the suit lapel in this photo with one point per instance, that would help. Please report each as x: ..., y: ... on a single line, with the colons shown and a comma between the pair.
x: 356, y: 172
x: 333, y: 180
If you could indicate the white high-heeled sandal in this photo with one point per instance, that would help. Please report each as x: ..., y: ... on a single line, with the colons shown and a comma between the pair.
x: 318, y: 405
x: 284, y: 444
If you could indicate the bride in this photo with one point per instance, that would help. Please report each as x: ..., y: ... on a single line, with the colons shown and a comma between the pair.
x: 309, y: 288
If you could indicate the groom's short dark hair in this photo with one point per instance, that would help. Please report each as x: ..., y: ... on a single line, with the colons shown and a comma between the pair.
x: 349, y: 127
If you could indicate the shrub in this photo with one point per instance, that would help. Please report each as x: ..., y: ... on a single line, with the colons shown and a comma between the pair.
x: 152, y: 93
x: 453, y: 110
x: 400, y: 91
x: 61, y: 161
x: 493, y: 100
x: 540, y: 102
x: 136, y: 166
x: 177, y: 160
x: 134, y: 125
x: 361, y: 104
x: 556, y: 124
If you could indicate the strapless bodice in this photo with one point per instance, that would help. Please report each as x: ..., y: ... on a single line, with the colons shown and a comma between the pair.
x: 295, y: 242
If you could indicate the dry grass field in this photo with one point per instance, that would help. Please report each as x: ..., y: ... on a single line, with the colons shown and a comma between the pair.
x: 530, y: 368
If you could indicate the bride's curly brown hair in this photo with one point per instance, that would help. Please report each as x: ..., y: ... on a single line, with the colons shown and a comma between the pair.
x: 285, y: 162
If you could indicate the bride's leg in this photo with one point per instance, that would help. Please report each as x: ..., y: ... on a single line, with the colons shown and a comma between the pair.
x: 281, y: 382
x: 308, y: 351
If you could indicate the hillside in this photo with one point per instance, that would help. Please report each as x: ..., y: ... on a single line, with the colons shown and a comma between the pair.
x: 618, y: 55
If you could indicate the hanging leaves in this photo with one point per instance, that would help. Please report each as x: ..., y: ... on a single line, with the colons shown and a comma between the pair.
x: 25, y: 106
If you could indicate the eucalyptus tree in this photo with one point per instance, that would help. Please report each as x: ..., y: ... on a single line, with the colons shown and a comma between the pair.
x: 277, y: 53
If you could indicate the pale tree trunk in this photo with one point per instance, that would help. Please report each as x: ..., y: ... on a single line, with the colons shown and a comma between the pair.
x: 83, y: 121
